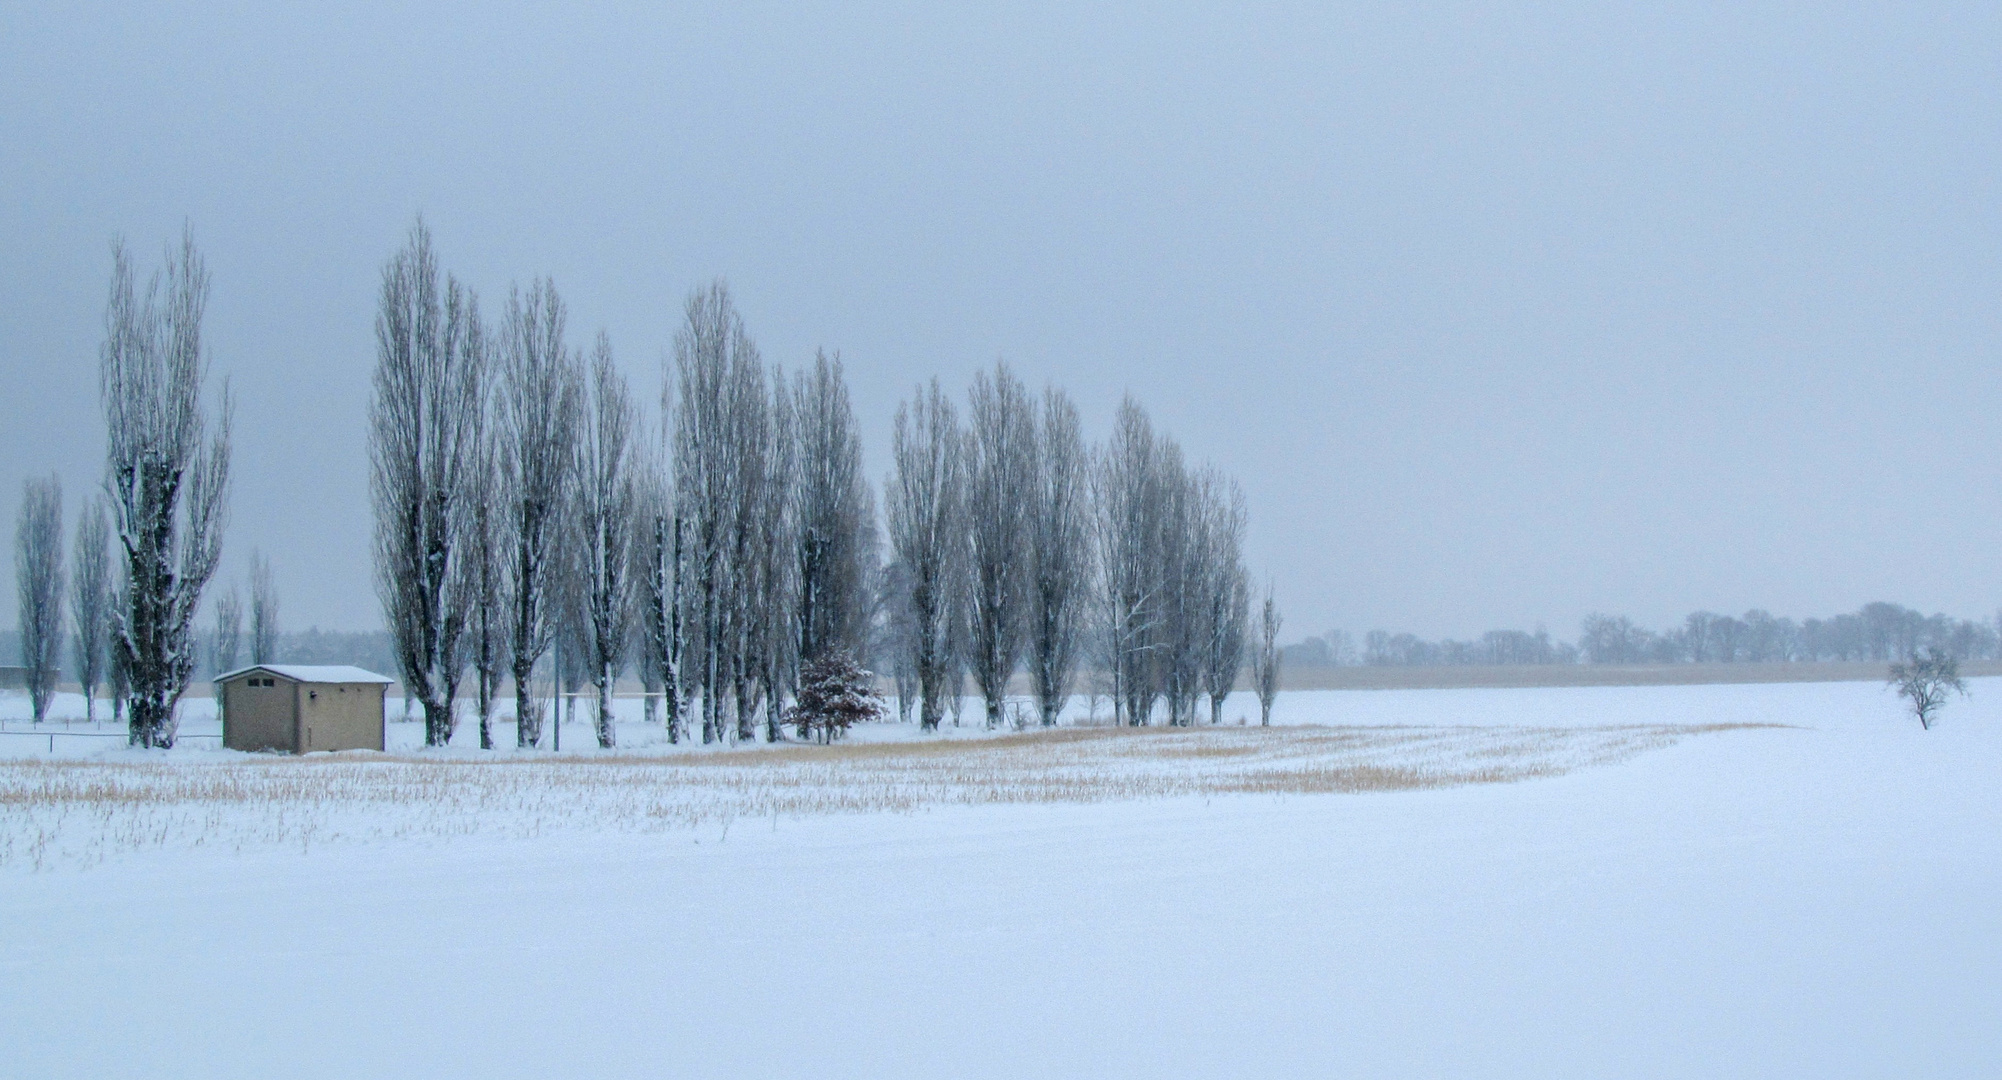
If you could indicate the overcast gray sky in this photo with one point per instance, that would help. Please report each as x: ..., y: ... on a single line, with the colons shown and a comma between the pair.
x: 1502, y: 313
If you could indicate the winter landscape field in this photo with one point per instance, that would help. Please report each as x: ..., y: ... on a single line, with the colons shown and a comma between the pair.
x: 1749, y: 880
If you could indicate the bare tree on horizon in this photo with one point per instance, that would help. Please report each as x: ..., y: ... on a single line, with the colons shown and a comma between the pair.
x: 90, y: 603
x: 263, y: 611
x: 38, y: 575
x: 1266, y: 658
x: 226, y: 639
x: 1226, y: 587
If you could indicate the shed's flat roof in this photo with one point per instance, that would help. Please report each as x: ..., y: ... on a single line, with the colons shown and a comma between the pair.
x: 317, y: 673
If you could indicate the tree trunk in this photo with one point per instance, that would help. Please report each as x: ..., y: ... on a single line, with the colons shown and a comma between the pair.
x: 486, y: 709
x: 608, y: 732
x: 527, y: 710
x: 437, y: 722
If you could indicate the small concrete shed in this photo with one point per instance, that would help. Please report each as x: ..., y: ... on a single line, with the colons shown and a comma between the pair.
x: 298, y: 708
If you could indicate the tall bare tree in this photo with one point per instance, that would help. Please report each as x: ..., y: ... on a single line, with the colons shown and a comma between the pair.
x: 896, y: 634
x: 537, y: 424
x: 1265, y: 658
x: 263, y: 611
x: 730, y: 461
x: 226, y: 639
x: 1059, y: 524
x: 1000, y: 476
x: 1226, y: 591
x: 569, y: 592
x: 659, y: 550
x: 608, y: 500
x: 771, y: 619
x: 482, y: 560
x: 1126, y: 528
x: 167, y: 476
x: 702, y: 484
x: 117, y: 678
x: 90, y: 602
x: 424, y: 431
x: 924, y: 506
x: 1179, y: 565
x: 836, y: 516
x: 38, y: 574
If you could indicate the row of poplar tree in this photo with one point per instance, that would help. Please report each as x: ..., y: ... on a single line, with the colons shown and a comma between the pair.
x: 730, y: 550
x: 83, y: 601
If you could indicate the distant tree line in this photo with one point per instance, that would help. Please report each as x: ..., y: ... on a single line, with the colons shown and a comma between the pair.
x: 1877, y: 632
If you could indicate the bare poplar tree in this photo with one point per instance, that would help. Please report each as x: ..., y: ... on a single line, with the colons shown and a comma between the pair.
x: 226, y: 639
x: 1126, y: 528
x: 38, y: 574
x: 1059, y: 523
x: 537, y: 422
x: 167, y: 475
x: 836, y: 516
x: 731, y: 454
x: 703, y: 467
x: 263, y: 611
x: 772, y: 619
x: 424, y: 429
x: 659, y: 550
x: 90, y: 602
x: 896, y: 641
x: 1226, y: 588
x: 569, y: 589
x: 746, y: 624
x: 117, y: 677
x: 225, y: 642
x: 483, y: 552
x: 1000, y: 477
x: 923, y: 503
x: 608, y: 501
x: 1265, y: 657
x: 1179, y: 563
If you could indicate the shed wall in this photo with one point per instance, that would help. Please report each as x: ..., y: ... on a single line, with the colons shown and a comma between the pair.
x: 340, y: 716
x: 259, y: 717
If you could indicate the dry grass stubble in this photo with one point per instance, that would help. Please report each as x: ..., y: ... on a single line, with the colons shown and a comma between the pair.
x: 83, y: 811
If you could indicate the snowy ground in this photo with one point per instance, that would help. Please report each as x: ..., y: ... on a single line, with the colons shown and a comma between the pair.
x: 1555, y: 882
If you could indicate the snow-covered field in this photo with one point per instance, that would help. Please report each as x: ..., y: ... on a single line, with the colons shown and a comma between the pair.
x: 1750, y: 880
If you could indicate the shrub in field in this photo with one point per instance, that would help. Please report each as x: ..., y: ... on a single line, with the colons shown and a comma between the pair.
x: 1926, y: 680
x: 834, y: 692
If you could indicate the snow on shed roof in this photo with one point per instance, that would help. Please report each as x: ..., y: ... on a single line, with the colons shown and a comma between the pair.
x: 316, y: 673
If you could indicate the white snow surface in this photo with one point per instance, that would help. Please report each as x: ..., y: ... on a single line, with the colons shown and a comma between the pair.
x: 1816, y: 899
x: 327, y: 673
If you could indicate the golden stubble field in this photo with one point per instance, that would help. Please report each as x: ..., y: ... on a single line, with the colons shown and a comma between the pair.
x: 82, y: 810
